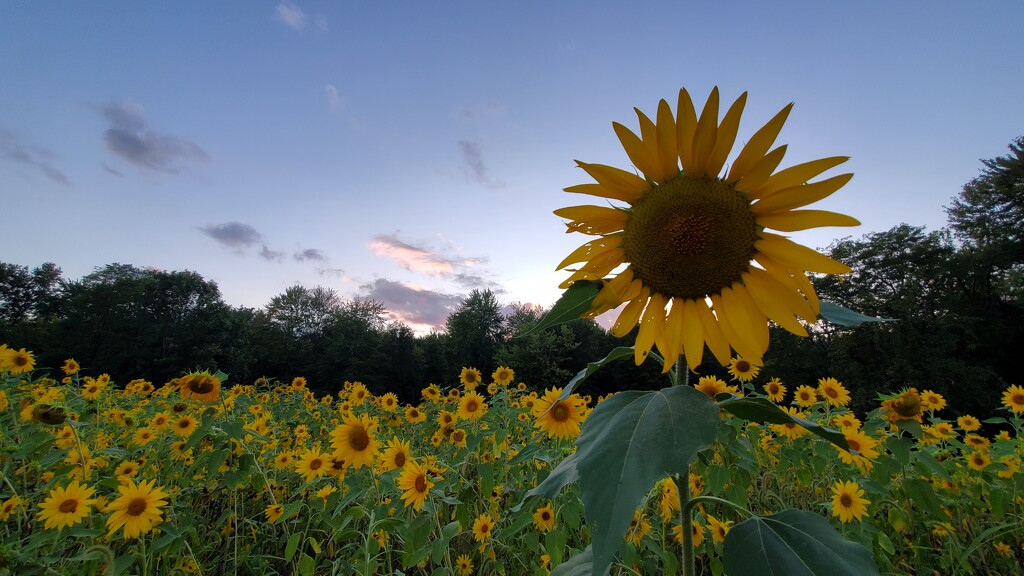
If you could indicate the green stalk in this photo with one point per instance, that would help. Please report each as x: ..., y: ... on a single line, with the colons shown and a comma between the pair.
x: 686, y: 528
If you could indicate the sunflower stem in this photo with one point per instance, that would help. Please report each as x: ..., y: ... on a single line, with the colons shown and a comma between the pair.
x: 686, y: 524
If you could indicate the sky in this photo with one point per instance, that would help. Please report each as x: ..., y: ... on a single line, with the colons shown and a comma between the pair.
x: 412, y: 152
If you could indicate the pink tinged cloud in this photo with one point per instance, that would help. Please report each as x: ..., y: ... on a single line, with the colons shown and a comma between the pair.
x: 411, y: 258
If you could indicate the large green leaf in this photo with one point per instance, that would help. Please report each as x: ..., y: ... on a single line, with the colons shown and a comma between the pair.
x: 793, y: 543
x: 563, y: 475
x: 579, y: 565
x: 573, y: 303
x: 762, y: 410
x: 836, y: 314
x: 629, y: 442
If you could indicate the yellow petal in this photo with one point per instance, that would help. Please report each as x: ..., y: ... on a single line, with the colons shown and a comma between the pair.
x: 626, y: 185
x: 732, y: 328
x: 772, y: 307
x: 716, y: 340
x: 693, y: 333
x: 707, y: 133
x: 762, y: 170
x: 801, y: 257
x: 795, y: 175
x: 639, y: 153
x: 601, y: 192
x: 800, y: 195
x: 758, y: 145
x: 794, y: 220
x: 671, y: 341
x: 753, y: 315
x: 726, y: 136
x: 588, y: 250
x: 630, y: 315
x: 787, y: 294
x: 668, y: 155
x: 651, y: 324
x: 686, y: 127
x: 594, y: 220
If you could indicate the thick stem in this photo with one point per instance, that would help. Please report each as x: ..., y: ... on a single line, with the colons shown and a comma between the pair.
x: 686, y: 524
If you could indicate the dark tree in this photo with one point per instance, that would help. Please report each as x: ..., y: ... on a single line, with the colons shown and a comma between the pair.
x: 474, y: 331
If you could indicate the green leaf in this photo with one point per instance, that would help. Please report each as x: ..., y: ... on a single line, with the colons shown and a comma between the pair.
x: 293, y: 545
x: 573, y: 303
x: 579, y: 565
x: 629, y: 442
x: 762, y: 410
x: 563, y: 475
x: 616, y: 354
x: 793, y: 543
x: 836, y: 314
x: 306, y: 565
x: 440, y: 545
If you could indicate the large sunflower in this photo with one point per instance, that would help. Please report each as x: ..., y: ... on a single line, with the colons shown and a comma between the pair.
x: 66, y: 506
x: 701, y: 268
x: 138, y: 509
x: 414, y: 484
x: 354, y: 441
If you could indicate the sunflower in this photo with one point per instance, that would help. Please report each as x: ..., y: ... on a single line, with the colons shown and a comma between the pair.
x: 713, y: 386
x: 66, y: 506
x: 431, y: 393
x: 638, y: 528
x: 544, y: 518
x: 458, y: 438
x: 805, y: 396
x: 143, y: 436
x: 202, y: 386
x: 968, y: 423
x: 698, y: 533
x: 718, y: 528
x: 92, y: 390
x: 482, y: 527
x: 558, y: 418
x: 415, y: 485
x: 743, y: 370
x: 353, y: 440
x: 311, y: 464
x: 503, y: 376
x: 7, y: 507
x: 414, y: 415
x: 848, y: 501
x: 185, y: 425
x: 472, y: 406
x: 847, y: 420
x: 273, y: 512
x: 862, y: 444
x: 19, y: 361
x: 127, y: 468
x: 833, y: 392
x: 325, y: 492
x: 790, y: 430
x: 1013, y: 398
x: 470, y: 378
x: 138, y: 509
x: 931, y: 400
x: 668, y: 499
x: 389, y: 402
x: 464, y: 564
x: 775, y: 390
x: 693, y: 235
x: 396, y: 455
x: 358, y: 393
x: 978, y: 461
x: 70, y: 367
x: 977, y: 442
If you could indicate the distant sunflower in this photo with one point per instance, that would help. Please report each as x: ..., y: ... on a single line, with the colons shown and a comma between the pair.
x: 932, y: 400
x: 20, y: 361
x: 70, y: 367
x: 978, y: 460
x: 415, y: 485
x: 862, y: 444
x: 833, y: 392
x: 464, y: 564
x: 743, y: 369
x: 905, y: 406
x: 66, y: 506
x: 7, y: 507
x: 354, y: 441
x: 389, y: 402
x: 698, y: 533
x: 718, y: 528
x: 693, y: 235
x: 805, y: 396
x: 847, y: 420
x: 273, y: 512
x: 201, y: 386
x: 713, y: 386
x: 470, y: 378
x: 311, y: 464
x: 1013, y: 398
x: 483, y: 526
x: 185, y: 425
x: 848, y: 502
x: 503, y: 376
x: 668, y: 499
x: 544, y: 518
x: 138, y: 509
x: 472, y: 406
x: 431, y: 393
x: 396, y: 455
x: 558, y: 418
x: 358, y: 393
x: 143, y: 436
x: 968, y: 423
x: 414, y: 415
x: 775, y: 390
x: 458, y: 438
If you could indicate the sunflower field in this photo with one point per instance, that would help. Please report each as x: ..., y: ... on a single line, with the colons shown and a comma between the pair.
x: 202, y: 476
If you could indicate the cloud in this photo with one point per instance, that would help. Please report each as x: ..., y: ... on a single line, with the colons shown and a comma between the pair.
x: 128, y: 138
x: 233, y: 234
x: 310, y: 254
x: 273, y: 255
x: 293, y: 17
x: 111, y: 170
x: 419, y: 259
x: 36, y: 157
x: 471, y: 114
x: 421, y: 308
x: 333, y: 98
x: 476, y: 169
x: 334, y: 272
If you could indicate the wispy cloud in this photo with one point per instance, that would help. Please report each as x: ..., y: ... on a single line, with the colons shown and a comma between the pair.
x: 333, y: 98
x: 273, y: 255
x: 473, y: 114
x: 474, y: 166
x: 128, y: 138
x: 295, y: 18
x: 235, y: 235
x: 309, y: 254
x: 35, y: 157
x: 420, y: 308
x: 421, y: 259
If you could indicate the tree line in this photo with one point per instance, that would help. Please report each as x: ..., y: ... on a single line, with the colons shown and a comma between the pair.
x: 954, y: 296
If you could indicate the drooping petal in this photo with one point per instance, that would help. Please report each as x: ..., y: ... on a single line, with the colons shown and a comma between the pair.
x: 795, y: 175
x: 758, y: 145
x: 790, y: 253
x: 693, y: 333
x: 593, y: 220
x: 630, y: 314
x: 772, y: 307
x: 627, y: 186
x: 751, y: 314
x: 651, y: 324
x: 639, y: 153
x: 800, y: 195
x: 795, y: 220
x: 732, y: 328
x: 671, y: 339
x: 589, y: 250
x: 713, y: 335
x: 787, y: 295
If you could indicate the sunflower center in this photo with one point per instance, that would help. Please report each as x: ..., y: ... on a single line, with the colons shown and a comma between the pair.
x: 136, y: 507
x: 68, y: 506
x: 743, y: 366
x: 400, y: 459
x: 358, y: 439
x: 560, y: 413
x: 421, y: 483
x: 315, y: 464
x: 20, y: 360
x: 853, y: 444
x: 1017, y: 399
x: 845, y: 500
x: 200, y: 385
x: 471, y: 406
x: 690, y: 237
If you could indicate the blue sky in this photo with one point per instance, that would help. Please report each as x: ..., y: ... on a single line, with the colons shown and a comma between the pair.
x: 414, y: 151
